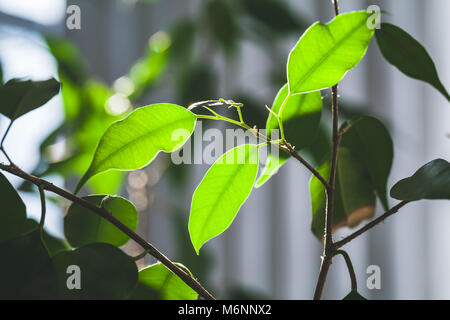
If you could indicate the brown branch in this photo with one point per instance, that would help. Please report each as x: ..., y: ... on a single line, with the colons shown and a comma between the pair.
x: 289, y: 149
x: 329, y: 248
x: 370, y: 225
x: 105, y: 214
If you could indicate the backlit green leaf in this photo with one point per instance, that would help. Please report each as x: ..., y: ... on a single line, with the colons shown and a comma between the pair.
x: 13, y: 213
x: 300, y: 115
x: 223, y: 190
x: 354, y: 197
x: 432, y: 181
x: 369, y: 139
x: 273, y: 164
x: 325, y: 52
x: 81, y: 226
x: 19, y: 97
x: 408, y: 55
x: 106, y: 272
x: 133, y: 142
x: 169, y: 286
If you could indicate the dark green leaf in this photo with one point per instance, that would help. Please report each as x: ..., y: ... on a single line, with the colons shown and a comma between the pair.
x: 170, y: 287
x: 13, y: 213
x: 82, y: 226
x: 325, y: 52
x: 354, y: 295
x: 106, y: 272
x: 223, y: 190
x: 54, y: 245
x: 222, y: 25
x: 19, y: 97
x: 408, y: 55
x: 26, y: 270
x: 369, y: 140
x: 354, y: 197
x: 432, y: 181
x: 274, y: 14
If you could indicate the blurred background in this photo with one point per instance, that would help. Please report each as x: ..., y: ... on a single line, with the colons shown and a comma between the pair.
x: 131, y: 53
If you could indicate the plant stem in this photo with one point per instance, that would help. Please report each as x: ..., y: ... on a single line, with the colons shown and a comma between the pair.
x: 351, y: 271
x: 102, y: 212
x: 329, y: 248
x: 43, y: 208
x: 370, y: 225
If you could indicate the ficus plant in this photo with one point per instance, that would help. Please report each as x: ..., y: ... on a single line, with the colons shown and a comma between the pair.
x: 344, y: 187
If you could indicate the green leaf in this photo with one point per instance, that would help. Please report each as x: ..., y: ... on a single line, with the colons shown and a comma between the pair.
x: 223, y: 190
x: 53, y: 244
x: 81, y: 226
x: 13, y: 213
x: 106, y: 272
x: 354, y: 197
x: 19, y: 97
x: 300, y: 115
x: 432, y: 181
x: 169, y: 286
x: 273, y: 164
x: 408, y: 55
x: 354, y: 295
x: 325, y: 52
x: 369, y: 140
x: 26, y: 270
x: 133, y: 142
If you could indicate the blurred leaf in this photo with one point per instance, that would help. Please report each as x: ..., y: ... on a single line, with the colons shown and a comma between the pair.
x: 197, y: 83
x: 13, y: 213
x: 222, y: 25
x: 354, y: 295
x: 274, y: 14
x: 150, y: 67
x: 169, y: 286
x: 432, y: 181
x: 106, y: 272
x: 133, y: 142
x: 68, y: 56
x: 369, y: 140
x: 82, y: 227
x: 354, y: 197
x: 26, y: 270
x: 19, y: 97
x: 408, y: 55
x: 325, y: 52
x: 201, y: 265
x: 221, y: 193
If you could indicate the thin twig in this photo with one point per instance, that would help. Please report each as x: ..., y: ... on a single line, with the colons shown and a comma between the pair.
x: 351, y: 271
x: 191, y: 282
x: 370, y: 225
x: 288, y: 148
